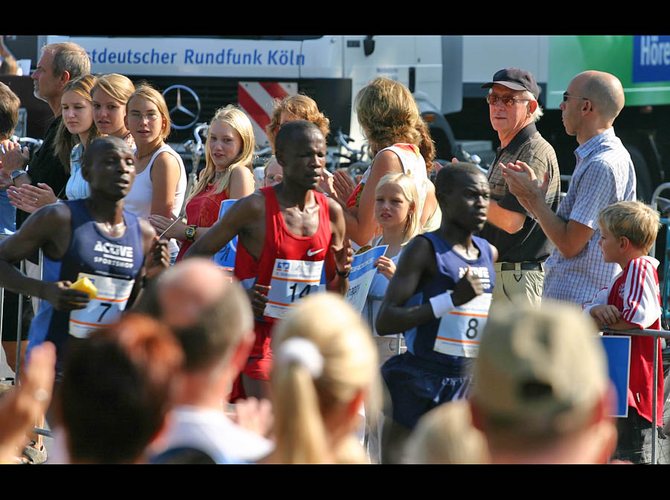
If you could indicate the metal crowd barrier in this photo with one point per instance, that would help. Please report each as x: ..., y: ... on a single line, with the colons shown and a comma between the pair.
x: 19, y: 325
x: 656, y: 334
x: 19, y: 322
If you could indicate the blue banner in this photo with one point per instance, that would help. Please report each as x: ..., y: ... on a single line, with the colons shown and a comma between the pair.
x: 617, y: 349
x: 651, y: 58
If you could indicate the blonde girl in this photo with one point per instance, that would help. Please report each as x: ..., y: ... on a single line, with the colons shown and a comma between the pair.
x: 395, y: 210
x: 228, y: 174
x: 110, y: 95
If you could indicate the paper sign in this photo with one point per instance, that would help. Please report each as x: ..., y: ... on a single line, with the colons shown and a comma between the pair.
x: 362, y: 271
x: 226, y: 256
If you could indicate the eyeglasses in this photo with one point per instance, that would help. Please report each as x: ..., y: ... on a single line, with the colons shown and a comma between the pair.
x: 151, y: 116
x: 507, y: 100
x: 567, y: 96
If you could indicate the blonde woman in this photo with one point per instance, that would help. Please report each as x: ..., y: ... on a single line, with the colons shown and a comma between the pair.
x: 160, y: 182
x: 228, y: 174
x: 325, y: 367
x: 110, y: 95
x: 75, y: 132
x: 400, y: 141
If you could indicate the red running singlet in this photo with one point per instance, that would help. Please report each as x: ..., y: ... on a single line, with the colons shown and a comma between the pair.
x: 292, y: 265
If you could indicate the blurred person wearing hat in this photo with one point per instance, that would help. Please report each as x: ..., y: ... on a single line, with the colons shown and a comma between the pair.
x: 541, y: 389
x: 604, y: 174
x: 523, y: 246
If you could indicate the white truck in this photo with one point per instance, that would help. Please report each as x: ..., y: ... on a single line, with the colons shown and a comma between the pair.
x: 444, y: 72
x: 251, y: 71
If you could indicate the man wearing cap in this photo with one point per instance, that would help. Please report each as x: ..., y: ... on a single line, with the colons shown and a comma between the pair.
x: 604, y: 174
x: 523, y: 247
x: 541, y: 390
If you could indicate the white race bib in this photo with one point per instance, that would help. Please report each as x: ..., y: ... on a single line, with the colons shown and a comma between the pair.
x: 460, y: 331
x: 106, y: 308
x: 292, y: 280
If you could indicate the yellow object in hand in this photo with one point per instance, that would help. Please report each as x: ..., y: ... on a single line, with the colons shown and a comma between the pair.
x: 85, y: 285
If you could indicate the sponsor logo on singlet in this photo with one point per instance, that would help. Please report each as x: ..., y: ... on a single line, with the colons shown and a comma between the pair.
x: 111, y: 254
x: 482, y: 272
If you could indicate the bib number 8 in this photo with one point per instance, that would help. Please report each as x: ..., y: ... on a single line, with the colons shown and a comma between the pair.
x: 471, y: 332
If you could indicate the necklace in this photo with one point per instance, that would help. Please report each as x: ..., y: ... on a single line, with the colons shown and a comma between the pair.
x: 218, y: 174
x: 113, y: 228
x: 145, y: 155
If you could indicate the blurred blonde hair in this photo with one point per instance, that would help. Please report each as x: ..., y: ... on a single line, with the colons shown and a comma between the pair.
x: 445, y: 435
x: 147, y: 92
x: 118, y: 87
x: 408, y: 188
x: 238, y: 121
x: 303, y: 404
x: 303, y: 108
x: 64, y: 140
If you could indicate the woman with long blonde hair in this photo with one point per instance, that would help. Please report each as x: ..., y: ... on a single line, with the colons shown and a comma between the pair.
x: 228, y: 174
x: 324, y: 368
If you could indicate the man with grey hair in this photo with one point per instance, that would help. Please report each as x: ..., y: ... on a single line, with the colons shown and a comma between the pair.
x: 58, y: 64
x: 541, y: 389
x: 523, y: 247
x: 604, y: 174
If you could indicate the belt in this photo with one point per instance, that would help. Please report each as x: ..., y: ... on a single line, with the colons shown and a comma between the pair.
x: 518, y: 266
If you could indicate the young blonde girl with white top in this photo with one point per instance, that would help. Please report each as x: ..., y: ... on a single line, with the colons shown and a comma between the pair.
x: 395, y: 210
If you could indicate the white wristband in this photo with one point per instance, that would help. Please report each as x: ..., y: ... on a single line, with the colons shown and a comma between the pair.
x: 442, y: 304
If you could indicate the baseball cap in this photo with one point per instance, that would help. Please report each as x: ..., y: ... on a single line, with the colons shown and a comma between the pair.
x: 539, y: 371
x: 515, y: 79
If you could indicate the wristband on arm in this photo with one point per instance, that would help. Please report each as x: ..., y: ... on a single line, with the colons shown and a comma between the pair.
x: 442, y: 304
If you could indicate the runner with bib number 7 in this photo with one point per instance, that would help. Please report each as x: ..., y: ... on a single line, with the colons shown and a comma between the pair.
x: 439, y: 299
x: 92, y: 238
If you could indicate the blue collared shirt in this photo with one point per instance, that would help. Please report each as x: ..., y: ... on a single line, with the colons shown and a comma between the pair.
x: 604, y: 174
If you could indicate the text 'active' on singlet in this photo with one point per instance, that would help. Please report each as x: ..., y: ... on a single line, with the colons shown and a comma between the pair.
x: 111, y: 263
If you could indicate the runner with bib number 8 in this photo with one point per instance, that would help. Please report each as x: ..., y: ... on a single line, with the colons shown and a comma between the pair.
x: 439, y: 298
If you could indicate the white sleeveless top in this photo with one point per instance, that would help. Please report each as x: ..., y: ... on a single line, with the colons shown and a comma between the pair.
x: 138, y: 200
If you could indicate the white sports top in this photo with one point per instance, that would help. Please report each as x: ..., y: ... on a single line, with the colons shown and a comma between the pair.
x: 138, y: 200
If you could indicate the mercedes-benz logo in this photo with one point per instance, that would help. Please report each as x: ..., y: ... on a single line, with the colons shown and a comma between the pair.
x: 184, y: 106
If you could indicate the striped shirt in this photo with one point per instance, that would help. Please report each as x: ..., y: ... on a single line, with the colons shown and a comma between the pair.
x: 604, y: 174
